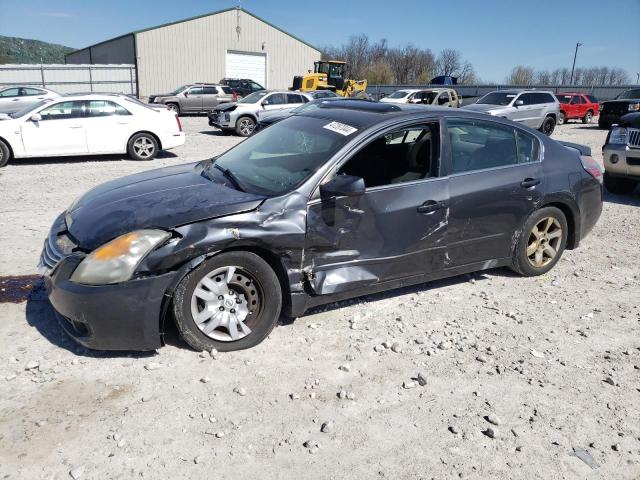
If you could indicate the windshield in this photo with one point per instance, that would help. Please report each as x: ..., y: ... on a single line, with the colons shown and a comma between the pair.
x: 564, y: 98
x: 179, y: 90
x: 399, y: 94
x: 24, y: 111
x: 633, y: 94
x: 280, y: 158
x: 497, y: 98
x: 253, y: 98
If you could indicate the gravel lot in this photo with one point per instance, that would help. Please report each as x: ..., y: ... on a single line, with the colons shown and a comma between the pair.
x: 481, y: 376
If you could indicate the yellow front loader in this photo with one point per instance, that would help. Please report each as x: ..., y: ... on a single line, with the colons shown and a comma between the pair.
x: 330, y: 75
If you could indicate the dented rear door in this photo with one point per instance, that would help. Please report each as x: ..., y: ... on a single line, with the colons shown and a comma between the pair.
x: 388, y: 233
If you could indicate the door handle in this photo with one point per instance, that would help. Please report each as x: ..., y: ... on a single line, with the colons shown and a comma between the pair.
x: 75, y: 126
x: 529, y: 182
x: 430, y: 206
x: 15, y: 99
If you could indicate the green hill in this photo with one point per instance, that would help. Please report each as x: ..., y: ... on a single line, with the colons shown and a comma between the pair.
x: 22, y: 50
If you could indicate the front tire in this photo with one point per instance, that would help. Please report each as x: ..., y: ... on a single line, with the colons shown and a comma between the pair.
x: 618, y: 186
x: 230, y: 302
x: 174, y: 107
x: 541, y: 243
x: 142, y: 147
x: 245, y: 126
x: 548, y: 126
x: 5, y: 154
x: 562, y: 119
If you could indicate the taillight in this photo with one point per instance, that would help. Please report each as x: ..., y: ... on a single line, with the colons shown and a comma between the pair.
x: 179, y: 124
x: 592, y: 167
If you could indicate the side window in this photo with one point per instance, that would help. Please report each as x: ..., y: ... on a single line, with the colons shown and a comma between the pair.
x: 575, y: 100
x: 527, y: 99
x: 33, y: 91
x: 592, y: 99
x: 583, y: 100
x: 10, y: 92
x: 63, y: 111
x: 294, y: 98
x: 256, y: 86
x: 277, y: 99
x: 195, y: 91
x: 528, y: 147
x: 443, y: 98
x: 546, y: 98
x: 209, y: 90
x: 402, y: 156
x: 105, y: 108
x: 227, y: 90
x: 478, y: 145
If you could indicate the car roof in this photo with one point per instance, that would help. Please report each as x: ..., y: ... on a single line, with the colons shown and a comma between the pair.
x: 93, y: 96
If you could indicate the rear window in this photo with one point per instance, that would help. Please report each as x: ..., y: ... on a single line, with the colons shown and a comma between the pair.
x: 227, y: 90
x: 592, y: 99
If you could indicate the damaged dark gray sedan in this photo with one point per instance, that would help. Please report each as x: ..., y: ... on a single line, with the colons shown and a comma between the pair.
x: 345, y: 200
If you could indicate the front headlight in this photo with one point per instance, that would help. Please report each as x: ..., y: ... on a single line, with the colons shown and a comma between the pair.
x: 618, y: 136
x: 634, y: 107
x: 117, y: 260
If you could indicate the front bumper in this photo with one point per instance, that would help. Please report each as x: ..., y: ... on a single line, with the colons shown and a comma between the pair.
x: 124, y: 316
x: 627, y: 164
x: 222, y: 120
x: 172, y: 140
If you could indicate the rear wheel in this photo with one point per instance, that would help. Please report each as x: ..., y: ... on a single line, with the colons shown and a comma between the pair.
x: 548, y: 126
x: 543, y: 239
x: 618, y: 186
x: 230, y: 302
x: 588, y: 117
x: 245, y: 126
x: 5, y: 154
x: 142, y: 146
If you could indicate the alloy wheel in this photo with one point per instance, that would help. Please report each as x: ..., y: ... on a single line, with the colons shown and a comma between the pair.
x: 561, y: 119
x: 246, y: 126
x: 544, y: 242
x: 226, y: 303
x: 144, y: 147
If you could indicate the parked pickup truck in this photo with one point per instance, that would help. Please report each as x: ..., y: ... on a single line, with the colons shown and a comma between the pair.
x: 577, y: 106
x: 621, y: 154
x: 612, y: 110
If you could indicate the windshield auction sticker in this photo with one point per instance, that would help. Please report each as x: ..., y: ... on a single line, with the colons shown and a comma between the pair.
x: 341, y: 128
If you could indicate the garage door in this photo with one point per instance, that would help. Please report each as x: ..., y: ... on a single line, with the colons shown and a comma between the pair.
x: 247, y: 65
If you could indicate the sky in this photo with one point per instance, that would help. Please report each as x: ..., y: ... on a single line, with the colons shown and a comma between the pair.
x: 494, y: 35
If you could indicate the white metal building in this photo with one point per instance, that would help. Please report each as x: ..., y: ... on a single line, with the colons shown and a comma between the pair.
x: 230, y: 43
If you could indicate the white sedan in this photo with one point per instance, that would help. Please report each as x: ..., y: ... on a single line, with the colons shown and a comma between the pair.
x: 89, y: 125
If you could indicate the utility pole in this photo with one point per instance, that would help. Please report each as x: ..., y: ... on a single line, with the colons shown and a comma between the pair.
x: 574, y: 62
x: 637, y: 78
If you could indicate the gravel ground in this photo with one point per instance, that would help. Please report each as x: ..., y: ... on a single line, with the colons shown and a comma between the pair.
x: 480, y: 376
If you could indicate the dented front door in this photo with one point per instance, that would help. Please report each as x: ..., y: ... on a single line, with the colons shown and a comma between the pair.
x: 390, y: 232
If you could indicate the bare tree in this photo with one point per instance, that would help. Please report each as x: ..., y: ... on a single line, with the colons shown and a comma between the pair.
x: 448, y: 62
x: 521, y: 75
x: 543, y: 77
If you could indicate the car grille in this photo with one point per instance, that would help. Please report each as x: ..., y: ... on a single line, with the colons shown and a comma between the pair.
x: 616, y: 108
x: 634, y: 162
x: 634, y: 137
x: 57, y: 246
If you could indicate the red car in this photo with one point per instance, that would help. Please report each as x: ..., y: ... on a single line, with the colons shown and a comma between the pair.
x: 577, y: 105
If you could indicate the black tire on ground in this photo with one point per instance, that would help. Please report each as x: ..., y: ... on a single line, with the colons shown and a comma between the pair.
x: 245, y: 126
x: 521, y: 262
x: 562, y: 119
x: 619, y: 186
x: 142, y: 147
x: 587, y: 117
x: 5, y: 154
x: 174, y: 107
x: 261, y: 320
x: 548, y: 126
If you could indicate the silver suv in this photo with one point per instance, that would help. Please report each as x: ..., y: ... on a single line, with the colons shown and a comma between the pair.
x: 195, y: 98
x: 534, y: 108
x: 243, y: 115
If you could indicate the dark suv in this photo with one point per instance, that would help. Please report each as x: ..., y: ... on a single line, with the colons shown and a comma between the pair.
x: 242, y: 86
x: 611, y: 110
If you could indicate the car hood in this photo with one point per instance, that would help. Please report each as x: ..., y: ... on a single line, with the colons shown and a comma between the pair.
x: 630, y: 120
x: 164, y: 198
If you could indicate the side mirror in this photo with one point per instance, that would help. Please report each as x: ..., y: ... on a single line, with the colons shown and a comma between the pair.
x: 343, y: 186
x: 186, y: 94
x: 36, y: 117
x: 519, y: 103
x: 265, y: 103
